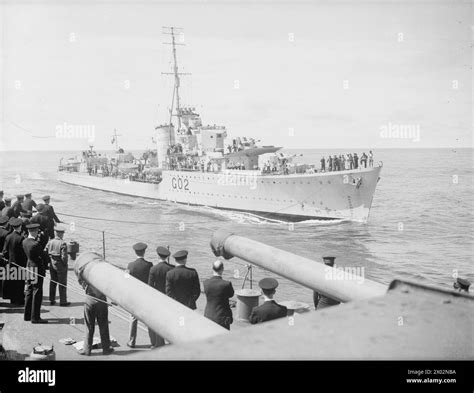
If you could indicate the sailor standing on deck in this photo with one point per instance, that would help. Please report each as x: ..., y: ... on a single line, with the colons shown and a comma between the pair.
x: 7, y: 211
x: 182, y: 283
x: 46, y: 223
x: 13, y: 251
x: 95, y: 309
x: 157, y: 280
x: 139, y: 269
x: 17, y: 208
x: 57, y: 251
x: 321, y: 301
x: 4, y: 232
x: 25, y: 217
x: 2, y: 202
x: 37, y: 269
x: 218, y: 292
x: 49, y: 210
x: 270, y: 309
x: 28, y: 204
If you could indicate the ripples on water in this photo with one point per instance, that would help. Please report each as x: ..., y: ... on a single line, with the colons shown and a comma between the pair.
x: 416, y: 190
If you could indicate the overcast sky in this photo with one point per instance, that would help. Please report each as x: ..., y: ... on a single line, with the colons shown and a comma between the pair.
x: 322, y: 75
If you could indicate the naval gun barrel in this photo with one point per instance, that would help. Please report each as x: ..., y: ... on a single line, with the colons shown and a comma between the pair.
x: 304, y: 271
x: 165, y: 316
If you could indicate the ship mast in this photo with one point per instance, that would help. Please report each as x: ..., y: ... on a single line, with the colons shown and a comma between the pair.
x: 172, y: 31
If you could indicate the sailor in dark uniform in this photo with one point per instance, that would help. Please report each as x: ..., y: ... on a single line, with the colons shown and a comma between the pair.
x: 46, y: 223
x: 2, y: 202
x: 270, y: 309
x: 37, y: 269
x: 218, y: 292
x: 25, y: 217
x: 13, y: 251
x: 321, y: 301
x: 462, y: 285
x: 182, y: 283
x: 95, y: 309
x: 49, y: 210
x: 17, y: 209
x: 4, y: 232
x: 28, y: 204
x: 7, y: 211
x: 139, y: 269
x: 157, y: 280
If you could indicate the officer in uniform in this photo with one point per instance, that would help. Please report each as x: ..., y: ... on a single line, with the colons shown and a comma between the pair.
x: 49, y: 210
x: 270, y: 309
x: 157, y: 280
x: 2, y: 202
x: 95, y: 309
x: 7, y: 211
x: 4, y: 232
x: 182, y: 283
x: 34, y: 284
x: 57, y: 251
x: 13, y: 251
x: 140, y: 269
x: 462, y: 285
x: 321, y: 301
x: 218, y: 292
x: 46, y: 223
x: 28, y: 204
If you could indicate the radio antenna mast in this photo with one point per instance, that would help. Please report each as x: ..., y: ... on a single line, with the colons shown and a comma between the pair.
x: 172, y: 31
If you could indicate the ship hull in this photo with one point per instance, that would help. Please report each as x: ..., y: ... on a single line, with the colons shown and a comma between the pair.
x: 344, y: 195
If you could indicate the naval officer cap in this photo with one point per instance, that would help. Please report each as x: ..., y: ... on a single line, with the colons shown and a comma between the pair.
x: 463, y: 283
x: 180, y: 255
x: 163, y: 251
x: 3, y: 220
x: 15, y: 222
x: 59, y: 229
x: 140, y: 246
x: 46, y: 198
x: 7, y: 199
x: 268, y: 283
x: 32, y: 226
x: 28, y: 194
x: 20, y: 196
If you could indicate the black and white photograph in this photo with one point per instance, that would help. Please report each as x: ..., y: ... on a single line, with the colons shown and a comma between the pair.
x: 266, y: 182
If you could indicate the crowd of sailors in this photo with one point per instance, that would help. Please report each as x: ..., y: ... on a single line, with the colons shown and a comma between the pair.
x: 346, y: 162
x: 31, y: 240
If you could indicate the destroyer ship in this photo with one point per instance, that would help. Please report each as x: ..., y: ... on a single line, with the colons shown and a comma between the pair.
x: 196, y: 164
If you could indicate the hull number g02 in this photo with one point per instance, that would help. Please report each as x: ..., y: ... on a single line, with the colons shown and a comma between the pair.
x: 179, y: 183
